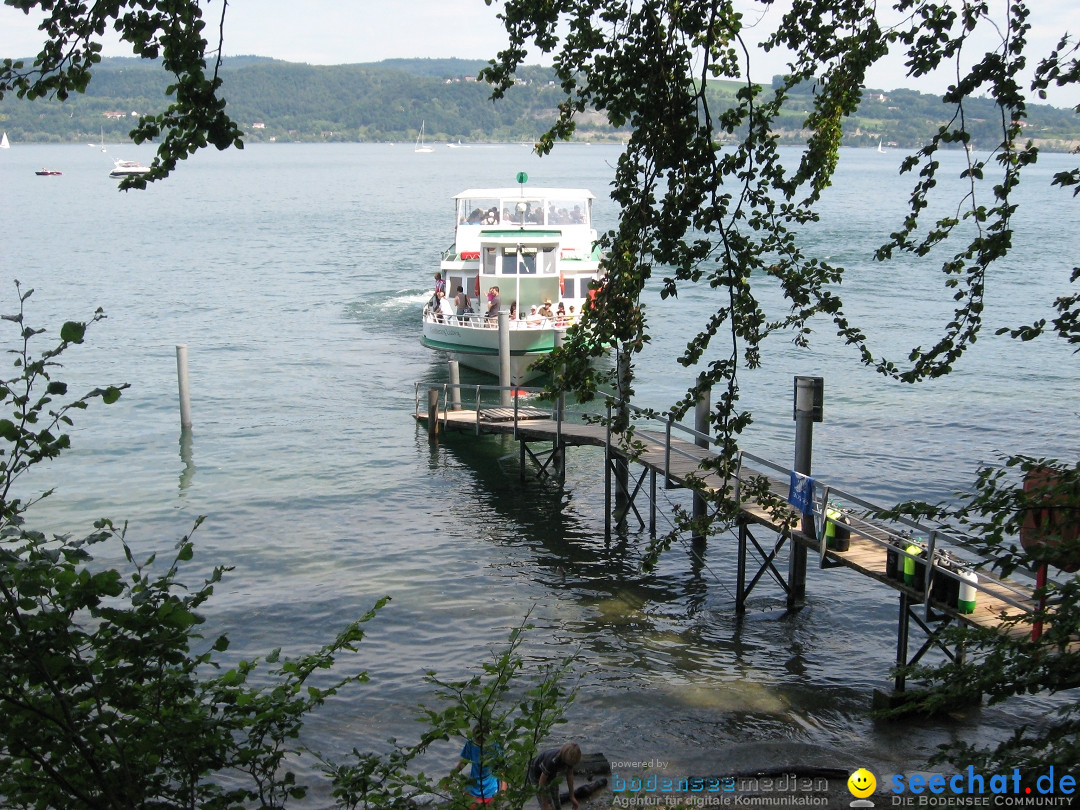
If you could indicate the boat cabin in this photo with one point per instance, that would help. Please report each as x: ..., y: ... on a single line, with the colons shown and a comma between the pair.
x: 534, y: 245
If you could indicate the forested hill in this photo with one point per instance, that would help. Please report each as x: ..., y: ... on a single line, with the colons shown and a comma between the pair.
x: 387, y: 101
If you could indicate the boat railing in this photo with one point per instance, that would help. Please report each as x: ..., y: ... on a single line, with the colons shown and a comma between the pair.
x: 477, y: 321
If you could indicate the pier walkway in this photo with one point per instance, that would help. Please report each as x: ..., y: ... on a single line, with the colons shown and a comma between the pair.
x: 932, y: 570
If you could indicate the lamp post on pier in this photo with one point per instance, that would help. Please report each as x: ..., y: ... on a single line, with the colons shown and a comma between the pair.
x: 809, y: 399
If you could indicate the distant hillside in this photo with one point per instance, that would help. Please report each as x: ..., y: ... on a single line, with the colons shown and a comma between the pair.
x: 388, y: 100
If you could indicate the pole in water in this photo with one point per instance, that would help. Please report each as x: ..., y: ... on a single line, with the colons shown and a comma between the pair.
x: 504, y: 359
x: 702, y: 427
x: 433, y: 412
x: 455, y: 381
x: 809, y: 393
x: 182, y: 382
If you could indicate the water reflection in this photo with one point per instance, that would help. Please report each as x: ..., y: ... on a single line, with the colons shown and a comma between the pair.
x: 187, y: 458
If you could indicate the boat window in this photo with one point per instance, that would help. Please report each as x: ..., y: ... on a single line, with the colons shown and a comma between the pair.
x: 490, y: 259
x: 547, y: 260
x: 523, y: 212
x: 582, y: 288
x: 509, y: 264
x: 574, y: 211
x: 528, y: 260
x: 481, y: 211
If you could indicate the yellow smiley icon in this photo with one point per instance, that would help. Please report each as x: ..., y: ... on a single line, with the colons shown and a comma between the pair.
x: 861, y: 783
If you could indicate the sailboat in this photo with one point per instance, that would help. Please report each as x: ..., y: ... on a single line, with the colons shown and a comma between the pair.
x: 4, y: 142
x: 879, y: 146
x: 103, y: 139
x: 420, y: 146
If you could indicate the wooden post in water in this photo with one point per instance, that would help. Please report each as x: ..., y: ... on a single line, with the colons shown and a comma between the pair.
x: 432, y: 412
x: 455, y: 381
x: 182, y: 383
x: 504, y: 359
x: 701, y: 425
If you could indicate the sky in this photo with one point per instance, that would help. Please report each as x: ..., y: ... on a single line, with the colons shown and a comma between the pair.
x: 326, y: 32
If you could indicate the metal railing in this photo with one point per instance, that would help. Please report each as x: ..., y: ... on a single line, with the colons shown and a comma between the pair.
x: 940, y: 552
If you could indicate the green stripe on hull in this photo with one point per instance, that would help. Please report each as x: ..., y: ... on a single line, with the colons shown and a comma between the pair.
x: 457, y: 347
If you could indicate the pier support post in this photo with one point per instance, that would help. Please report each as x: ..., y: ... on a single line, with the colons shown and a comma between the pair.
x: 504, y: 359
x: 433, y: 412
x: 808, y: 409
x: 652, y: 503
x: 740, y: 572
x: 455, y: 381
x: 182, y: 384
x: 621, y: 462
x: 701, y: 426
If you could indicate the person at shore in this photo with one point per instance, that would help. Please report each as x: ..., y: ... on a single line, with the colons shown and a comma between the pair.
x: 546, y: 772
x: 481, y: 755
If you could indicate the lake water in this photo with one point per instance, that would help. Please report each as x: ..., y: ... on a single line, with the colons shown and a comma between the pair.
x: 295, y: 275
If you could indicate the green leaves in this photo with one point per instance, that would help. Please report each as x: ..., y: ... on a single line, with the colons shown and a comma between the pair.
x: 705, y: 198
x: 156, y: 29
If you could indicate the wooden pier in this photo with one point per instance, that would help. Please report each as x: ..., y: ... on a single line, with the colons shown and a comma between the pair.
x: 937, y: 567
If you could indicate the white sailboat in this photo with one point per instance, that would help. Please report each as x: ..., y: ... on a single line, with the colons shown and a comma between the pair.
x: 420, y: 146
x: 4, y: 142
x: 879, y: 146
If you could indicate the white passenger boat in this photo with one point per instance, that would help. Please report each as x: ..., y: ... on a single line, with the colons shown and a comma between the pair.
x: 126, y: 168
x: 534, y: 244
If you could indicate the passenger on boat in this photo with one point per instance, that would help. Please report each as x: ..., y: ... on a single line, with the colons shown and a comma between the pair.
x: 571, y: 316
x: 545, y: 310
x: 440, y: 284
x: 533, y: 319
x: 494, y: 304
x: 462, y: 305
x: 444, y: 311
x: 560, y: 315
x: 513, y: 314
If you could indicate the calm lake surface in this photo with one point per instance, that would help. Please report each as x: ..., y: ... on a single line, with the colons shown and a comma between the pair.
x: 295, y: 275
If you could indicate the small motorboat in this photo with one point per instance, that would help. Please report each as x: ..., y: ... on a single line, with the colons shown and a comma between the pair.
x: 47, y: 172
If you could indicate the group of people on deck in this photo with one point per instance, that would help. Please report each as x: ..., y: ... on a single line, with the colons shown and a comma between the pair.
x: 545, y: 772
x: 445, y: 309
x: 542, y: 315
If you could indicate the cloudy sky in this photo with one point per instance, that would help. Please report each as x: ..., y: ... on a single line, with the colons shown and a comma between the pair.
x: 328, y: 32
